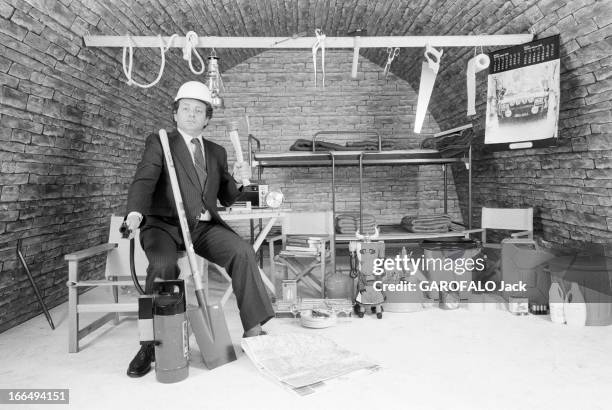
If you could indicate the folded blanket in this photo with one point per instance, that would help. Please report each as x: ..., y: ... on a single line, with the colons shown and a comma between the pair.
x: 306, y: 145
x: 370, y: 145
x: 426, y: 220
x: 366, y: 231
x: 343, y: 218
x: 424, y: 224
x: 417, y: 229
x: 354, y: 226
x: 442, y: 226
x: 345, y: 222
x: 431, y: 224
x: 456, y: 227
x: 348, y: 223
x: 433, y: 218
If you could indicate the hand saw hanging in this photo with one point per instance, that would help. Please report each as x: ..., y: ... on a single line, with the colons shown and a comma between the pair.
x: 429, y: 71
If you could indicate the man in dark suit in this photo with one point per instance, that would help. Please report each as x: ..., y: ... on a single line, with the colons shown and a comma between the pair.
x: 202, y: 173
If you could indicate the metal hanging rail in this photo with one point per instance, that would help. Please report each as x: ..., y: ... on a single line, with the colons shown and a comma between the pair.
x: 307, y: 42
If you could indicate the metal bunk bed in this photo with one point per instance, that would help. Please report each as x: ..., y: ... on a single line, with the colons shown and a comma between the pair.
x: 333, y: 159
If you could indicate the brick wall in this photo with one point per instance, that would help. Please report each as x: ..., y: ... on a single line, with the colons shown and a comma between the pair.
x: 71, y: 133
x: 569, y: 186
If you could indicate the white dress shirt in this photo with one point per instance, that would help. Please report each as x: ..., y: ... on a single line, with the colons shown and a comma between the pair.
x: 191, y: 145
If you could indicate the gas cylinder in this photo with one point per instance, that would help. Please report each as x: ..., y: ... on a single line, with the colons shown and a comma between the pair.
x: 171, y: 333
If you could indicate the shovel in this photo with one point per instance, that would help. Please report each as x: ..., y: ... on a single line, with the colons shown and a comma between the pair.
x: 429, y: 71
x: 207, y: 321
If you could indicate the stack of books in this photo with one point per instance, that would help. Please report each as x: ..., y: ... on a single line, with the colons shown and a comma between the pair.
x: 309, y: 244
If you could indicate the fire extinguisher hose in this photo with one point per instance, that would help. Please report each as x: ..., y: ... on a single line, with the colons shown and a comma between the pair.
x: 133, y: 269
x: 125, y: 232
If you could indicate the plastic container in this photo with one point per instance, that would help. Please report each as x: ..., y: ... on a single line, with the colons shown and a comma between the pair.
x: 574, y: 307
x: 404, y: 295
x: 339, y: 286
x: 521, y: 262
x: 556, y: 300
x: 437, y: 251
x: 593, y: 275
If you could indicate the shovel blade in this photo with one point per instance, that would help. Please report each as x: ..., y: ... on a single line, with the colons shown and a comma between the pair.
x: 212, y: 335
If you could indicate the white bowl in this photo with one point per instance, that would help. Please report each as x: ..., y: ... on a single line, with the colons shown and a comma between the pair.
x: 317, y: 322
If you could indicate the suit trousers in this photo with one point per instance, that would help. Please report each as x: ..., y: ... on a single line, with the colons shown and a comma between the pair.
x: 221, y: 246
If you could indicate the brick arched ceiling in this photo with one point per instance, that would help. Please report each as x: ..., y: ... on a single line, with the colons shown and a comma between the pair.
x: 277, y: 18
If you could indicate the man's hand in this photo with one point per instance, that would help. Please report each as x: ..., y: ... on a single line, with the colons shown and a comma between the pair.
x: 242, y: 171
x: 132, y: 222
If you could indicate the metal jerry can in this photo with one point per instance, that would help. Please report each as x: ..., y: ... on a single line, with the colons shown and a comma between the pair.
x: 171, y: 333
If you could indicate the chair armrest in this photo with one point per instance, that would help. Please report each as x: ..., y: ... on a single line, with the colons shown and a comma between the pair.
x: 274, y: 238
x: 519, y: 240
x: 475, y: 230
x: 492, y: 245
x: 89, y: 252
x: 529, y: 234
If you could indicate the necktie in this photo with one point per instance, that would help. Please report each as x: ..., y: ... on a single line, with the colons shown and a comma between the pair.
x: 200, y: 164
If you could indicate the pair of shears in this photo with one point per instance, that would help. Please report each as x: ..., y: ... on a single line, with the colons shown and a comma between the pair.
x: 391, y: 54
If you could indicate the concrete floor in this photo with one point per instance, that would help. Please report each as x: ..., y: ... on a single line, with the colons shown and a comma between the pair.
x: 433, y: 359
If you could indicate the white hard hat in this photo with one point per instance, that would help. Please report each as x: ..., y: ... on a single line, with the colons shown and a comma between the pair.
x: 195, y: 90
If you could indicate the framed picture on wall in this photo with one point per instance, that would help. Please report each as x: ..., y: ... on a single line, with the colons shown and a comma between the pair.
x: 523, y: 96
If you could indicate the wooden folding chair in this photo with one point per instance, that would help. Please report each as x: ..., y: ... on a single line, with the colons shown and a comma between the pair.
x: 304, y: 265
x: 117, y: 273
x: 513, y: 219
x: 510, y: 219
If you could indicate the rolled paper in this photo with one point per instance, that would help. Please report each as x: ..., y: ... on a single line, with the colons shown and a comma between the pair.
x: 235, y: 139
x: 475, y: 65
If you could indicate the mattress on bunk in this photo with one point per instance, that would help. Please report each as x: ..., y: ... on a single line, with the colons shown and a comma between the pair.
x: 296, y: 157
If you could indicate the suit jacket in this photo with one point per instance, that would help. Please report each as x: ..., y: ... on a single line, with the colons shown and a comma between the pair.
x: 151, y: 191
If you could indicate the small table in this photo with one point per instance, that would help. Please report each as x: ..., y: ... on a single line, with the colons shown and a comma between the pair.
x: 249, y: 214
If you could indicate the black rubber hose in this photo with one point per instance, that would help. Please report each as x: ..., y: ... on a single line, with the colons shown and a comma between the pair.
x: 133, y: 269
x: 125, y: 232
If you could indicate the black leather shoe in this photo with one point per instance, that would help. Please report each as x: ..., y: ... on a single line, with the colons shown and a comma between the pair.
x: 141, y: 363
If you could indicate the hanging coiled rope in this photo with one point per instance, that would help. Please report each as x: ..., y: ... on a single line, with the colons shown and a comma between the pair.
x: 127, y: 65
x: 191, y: 44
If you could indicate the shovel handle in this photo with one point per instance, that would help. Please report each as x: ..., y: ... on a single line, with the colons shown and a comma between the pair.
x: 180, y: 208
